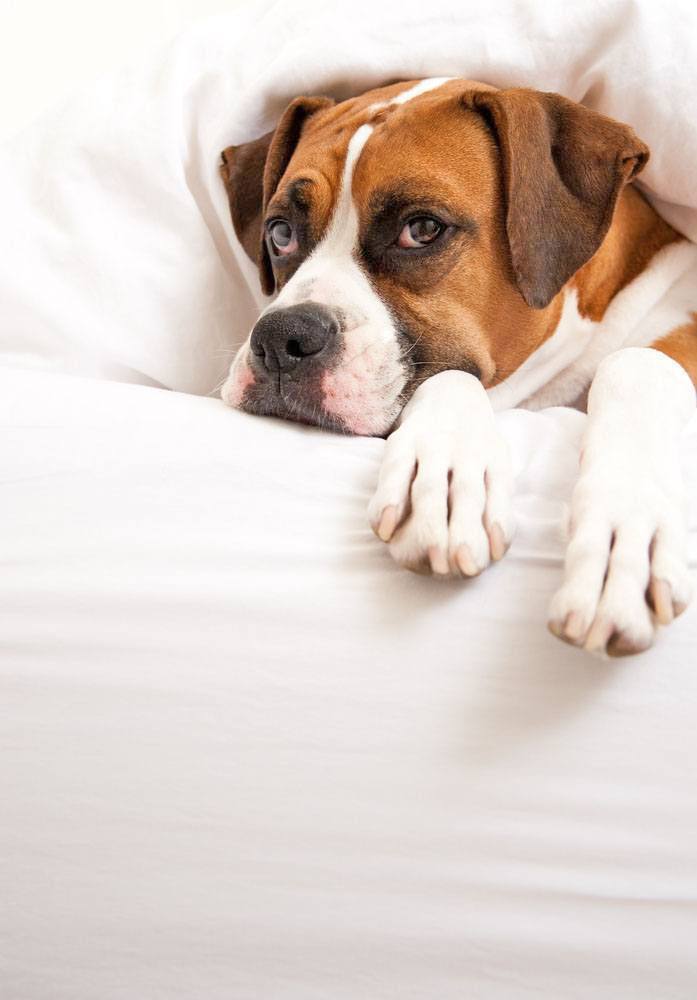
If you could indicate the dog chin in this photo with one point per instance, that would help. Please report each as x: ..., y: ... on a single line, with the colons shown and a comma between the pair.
x: 329, y: 400
x: 243, y: 392
x: 316, y: 414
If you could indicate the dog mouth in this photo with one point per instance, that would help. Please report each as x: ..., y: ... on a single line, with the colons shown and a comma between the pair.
x: 333, y: 397
x: 284, y: 397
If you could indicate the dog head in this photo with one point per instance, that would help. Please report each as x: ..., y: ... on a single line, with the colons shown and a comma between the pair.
x: 423, y: 226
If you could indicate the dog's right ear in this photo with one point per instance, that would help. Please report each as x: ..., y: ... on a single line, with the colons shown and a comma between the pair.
x: 252, y: 172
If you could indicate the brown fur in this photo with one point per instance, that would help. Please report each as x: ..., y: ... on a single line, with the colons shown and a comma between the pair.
x: 636, y: 235
x: 252, y: 172
x: 681, y: 346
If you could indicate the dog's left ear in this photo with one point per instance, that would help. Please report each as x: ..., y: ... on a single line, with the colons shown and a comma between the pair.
x: 251, y: 173
x: 563, y: 168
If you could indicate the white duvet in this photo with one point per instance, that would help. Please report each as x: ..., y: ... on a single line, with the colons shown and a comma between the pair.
x: 242, y: 755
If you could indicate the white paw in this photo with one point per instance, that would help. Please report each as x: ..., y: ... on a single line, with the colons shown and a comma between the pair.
x: 625, y: 568
x: 443, y: 501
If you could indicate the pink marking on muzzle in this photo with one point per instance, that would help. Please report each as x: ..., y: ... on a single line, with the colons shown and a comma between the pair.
x: 347, y: 395
x: 237, y: 384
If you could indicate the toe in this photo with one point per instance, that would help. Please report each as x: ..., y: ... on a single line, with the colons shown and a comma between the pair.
x: 468, y: 540
x: 498, y: 513
x: 660, y: 597
x: 670, y: 588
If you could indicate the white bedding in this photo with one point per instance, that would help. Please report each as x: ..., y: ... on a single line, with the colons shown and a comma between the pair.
x: 119, y: 258
x: 242, y: 755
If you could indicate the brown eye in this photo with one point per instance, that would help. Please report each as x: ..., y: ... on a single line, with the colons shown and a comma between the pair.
x: 420, y: 231
x: 282, y: 237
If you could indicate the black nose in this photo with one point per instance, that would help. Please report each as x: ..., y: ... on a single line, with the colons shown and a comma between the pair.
x: 285, y: 337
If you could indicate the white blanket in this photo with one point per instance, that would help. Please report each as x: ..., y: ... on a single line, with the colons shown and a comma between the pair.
x: 119, y: 258
x: 242, y: 755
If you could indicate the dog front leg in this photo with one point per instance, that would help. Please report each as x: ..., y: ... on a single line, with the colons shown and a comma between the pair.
x: 443, y: 501
x: 625, y: 569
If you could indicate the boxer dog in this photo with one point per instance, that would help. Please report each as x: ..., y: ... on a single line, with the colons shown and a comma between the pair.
x: 439, y: 250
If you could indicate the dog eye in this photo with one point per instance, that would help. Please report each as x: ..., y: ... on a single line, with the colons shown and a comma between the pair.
x: 420, y: 231
x: 282, y: 237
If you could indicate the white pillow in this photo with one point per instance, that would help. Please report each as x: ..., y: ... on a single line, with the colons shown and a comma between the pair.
x: 119, y: 257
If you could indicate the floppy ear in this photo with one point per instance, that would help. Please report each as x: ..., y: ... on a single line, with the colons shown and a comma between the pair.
x: 563, y: 168
x: 251, y: 173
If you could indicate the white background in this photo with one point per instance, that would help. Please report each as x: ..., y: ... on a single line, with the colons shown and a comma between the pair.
x: 49, y: 48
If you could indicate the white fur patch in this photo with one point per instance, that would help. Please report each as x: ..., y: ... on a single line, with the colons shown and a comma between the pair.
x: 558, y: 372
x: 565, y: 346
x: 422, y: 87
x: 238, y: 380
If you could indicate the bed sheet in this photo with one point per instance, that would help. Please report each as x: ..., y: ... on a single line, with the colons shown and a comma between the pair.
x: 243, y: 755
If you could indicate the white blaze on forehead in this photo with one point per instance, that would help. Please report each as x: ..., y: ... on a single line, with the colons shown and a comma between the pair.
x: 422, y: 87
x: 342, y: 235
x: 318, y: 279
x: 363, y: 388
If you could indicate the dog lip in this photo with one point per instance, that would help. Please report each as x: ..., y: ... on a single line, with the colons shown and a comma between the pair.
x: 265, y: 400
x: 277, y: 394
x: 307, y: 394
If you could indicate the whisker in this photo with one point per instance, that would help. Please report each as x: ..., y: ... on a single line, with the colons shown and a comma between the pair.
x: 407, y: 353
x: 225, y: 352
x: 215, y: 391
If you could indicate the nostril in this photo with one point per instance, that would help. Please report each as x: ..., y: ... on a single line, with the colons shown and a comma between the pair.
x: 283, y: 338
